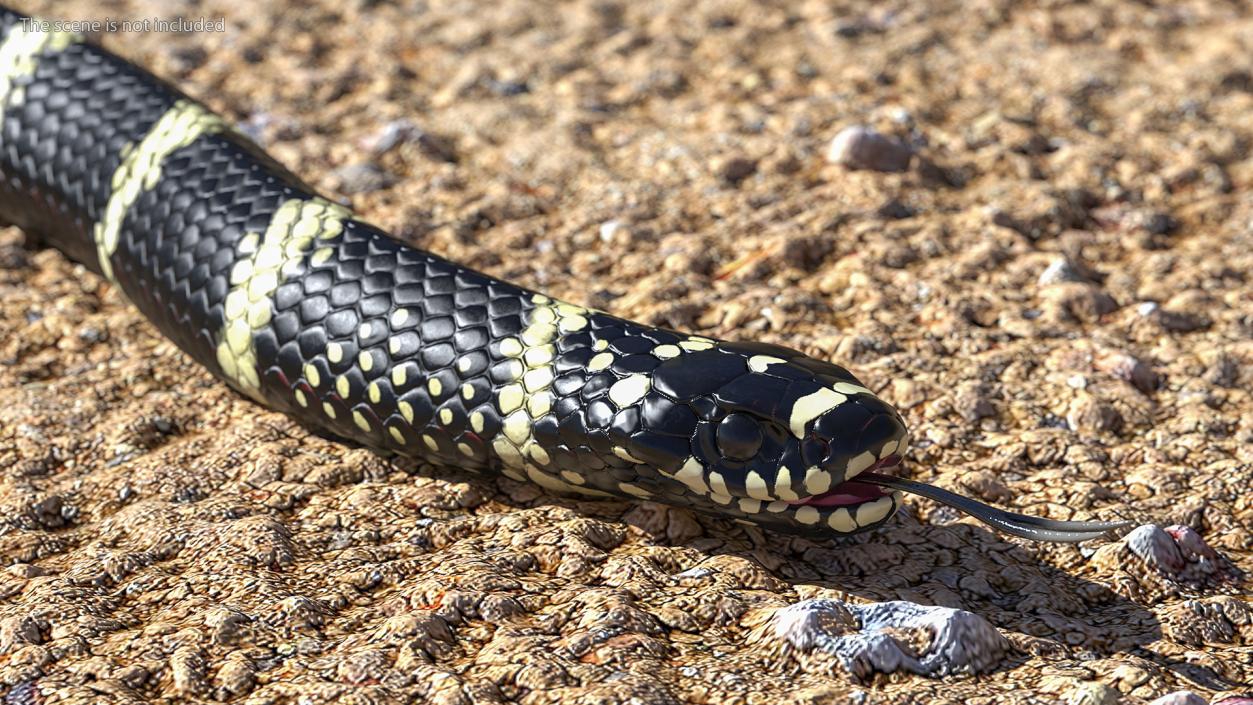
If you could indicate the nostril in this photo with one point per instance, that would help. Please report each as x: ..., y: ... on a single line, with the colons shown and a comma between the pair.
x: 816, y: 450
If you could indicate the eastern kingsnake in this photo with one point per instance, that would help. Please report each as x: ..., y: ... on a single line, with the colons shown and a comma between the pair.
x: 292, y: 301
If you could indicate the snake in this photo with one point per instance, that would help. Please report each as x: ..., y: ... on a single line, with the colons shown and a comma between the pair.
x: 289, y: 298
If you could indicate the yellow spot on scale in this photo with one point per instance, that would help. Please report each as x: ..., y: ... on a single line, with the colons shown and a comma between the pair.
x: 538, y: 357
x: 396, y: 434
x: 600, y: 345
x: 665, y: 352
x: 463, y: 364
x: 756, y: 487
x: 539, y: 405
x: 695, y: 345
x: 841, y: 520
x: 572, y: 324
x: 511, y: 347
x: 871, y: 512
x: 465, y: 449
x: 537, y: 379
x: 538, y: 454
x: 445, y: 416
x: 330, y: 410
x: 374, y: 393
x: 467, y: 391
x: 540, y: 299
x: 543, y: 315
x: 399, y: 316
x: 539, y: 334
x: 750, y: 506
x: 629, y: 390
x: 301, y: 399
x: 783, y: 484
x: 343, y: 387
x: 320, y: 256
x: 717, y: 484
x: 517, y: 427
x: 635, y: 490
x: 359, y: 419
x: 573, y: 477
x: 807, y: 515
x: 810, y: 407
x: 398, y: 376
x: 817, y: 481
x: 692, y: 474
x: 476, y: 421
x: 406, y: 410
x: 248, y: 244
x: 777, y: 506
x: 364, y: 330
x: 759, y: 363
x: 510, y: 398
x: 430, y: 442
x: 435, y: 387
x: 600, y: 361
x: 850, y: 389
x: 365, y: 360
x: 859, y: 464
x: 888, y: 449
x: 312, y: 375
x: 626, y: 455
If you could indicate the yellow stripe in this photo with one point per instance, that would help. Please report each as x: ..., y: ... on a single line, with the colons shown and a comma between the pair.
x: 141, y: 168
x: 18, y: 54
x: 291, y: 233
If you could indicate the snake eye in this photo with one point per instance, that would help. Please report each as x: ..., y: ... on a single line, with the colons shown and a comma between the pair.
x: 739, y: 437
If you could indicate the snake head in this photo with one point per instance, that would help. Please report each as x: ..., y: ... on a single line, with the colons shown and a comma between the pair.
x: 770, y: 436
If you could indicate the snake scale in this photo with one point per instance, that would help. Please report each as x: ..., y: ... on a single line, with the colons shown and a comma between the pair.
x: 294, y: 302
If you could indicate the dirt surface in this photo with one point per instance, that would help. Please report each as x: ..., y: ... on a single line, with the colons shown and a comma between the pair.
x: 1055, y: 292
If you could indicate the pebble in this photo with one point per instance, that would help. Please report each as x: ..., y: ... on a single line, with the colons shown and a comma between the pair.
x: 362, y: 178
x: 861, y: 147
x: 1129, y: 369
x: 864, y: 637
x: 733, y: 170
x: 1092, y: 693
x: 1179, y: 697
x: 1060, y: 270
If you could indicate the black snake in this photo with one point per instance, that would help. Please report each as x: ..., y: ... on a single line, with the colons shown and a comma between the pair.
x: 292, y: 301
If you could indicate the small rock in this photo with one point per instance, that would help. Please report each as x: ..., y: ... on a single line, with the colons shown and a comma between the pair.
x: 860, y: 147
x: 1129, y: 369
x: 401, y: 131
x: 362, y: 178
x: 1060, y: 270
x: 885, y: 637
x: 610, y: 229
x: 895, y: 210
x: 1088, y: 414
x: 1180, y: 697
x: 733, y: 170
x: 1181, y: 321
x: 1092, y: 693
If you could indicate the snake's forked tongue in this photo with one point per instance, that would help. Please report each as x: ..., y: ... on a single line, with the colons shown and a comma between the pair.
x: 1027, y: 527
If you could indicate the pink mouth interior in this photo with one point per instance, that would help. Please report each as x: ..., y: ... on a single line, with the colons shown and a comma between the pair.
x: 853, y: 492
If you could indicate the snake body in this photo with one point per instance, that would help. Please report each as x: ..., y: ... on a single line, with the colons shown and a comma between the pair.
x: 293, y: 301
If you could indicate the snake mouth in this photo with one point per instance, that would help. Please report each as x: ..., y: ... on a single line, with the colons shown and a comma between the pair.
x: 874, y: 482
x: 852, y: 492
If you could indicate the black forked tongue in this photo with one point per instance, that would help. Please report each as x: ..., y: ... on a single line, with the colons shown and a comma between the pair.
x: 1020, y: 525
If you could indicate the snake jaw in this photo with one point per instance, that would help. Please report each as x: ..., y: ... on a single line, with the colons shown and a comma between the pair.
x: 850, y: 492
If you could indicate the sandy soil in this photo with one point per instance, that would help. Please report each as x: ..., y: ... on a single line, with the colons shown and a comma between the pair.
x: 1056, y: 293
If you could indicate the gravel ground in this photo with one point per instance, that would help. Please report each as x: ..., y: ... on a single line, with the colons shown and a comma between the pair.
x: 1035, y: 240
